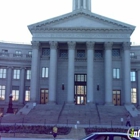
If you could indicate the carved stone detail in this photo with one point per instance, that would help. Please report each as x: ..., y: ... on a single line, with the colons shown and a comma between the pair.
x: 53, y: 44
x: 35, y: 44
x: 90, y: 45
x: 71, y: 45
x: 126, y: 45
x: 108, y: 45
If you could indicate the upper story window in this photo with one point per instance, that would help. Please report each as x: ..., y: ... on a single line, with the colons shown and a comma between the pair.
x: 81, y: 53
x: 4, y: 52
x: 98, y: 54
x: 115, y: 52
x: 2, y: 73
x: 63, y: 53
x: 46, y: 51
x: 44, y: 72
x: 18, y: 53
x: 133, y: 76
x: 116, y: 73
x: 132, y: 55
x: 29, y: 54
x: 28, y: 74
x: 16, y: 74
x: 80, y: 78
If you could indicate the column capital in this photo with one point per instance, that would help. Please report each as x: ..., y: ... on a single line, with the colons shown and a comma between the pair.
x: 53, y: 44
x: 108, y: 45
x: 35, y: 44
x: 90, y: 45
x: 71, y: 45
x: 126, y: 45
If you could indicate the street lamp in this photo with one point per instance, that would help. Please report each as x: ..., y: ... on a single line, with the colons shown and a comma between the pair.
x: 10, y: 108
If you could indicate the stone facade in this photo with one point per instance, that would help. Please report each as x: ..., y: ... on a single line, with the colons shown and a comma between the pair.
x: 77, y: 58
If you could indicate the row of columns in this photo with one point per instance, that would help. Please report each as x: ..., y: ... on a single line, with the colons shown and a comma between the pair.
x: 90, y: 72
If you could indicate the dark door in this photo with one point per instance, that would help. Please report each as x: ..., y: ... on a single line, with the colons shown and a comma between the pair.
x: 116, y: 97
x: 44, y: 96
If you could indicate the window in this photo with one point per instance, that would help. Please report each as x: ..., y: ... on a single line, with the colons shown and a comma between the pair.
x: 81, y: 53
x: 2, y: 92
x: 132, y: 55
x: 98, y: 54
x: 2, y: 73
x: 46, y: 51
x: 80, y: 77
x: 27, y: 94
x: 133, y: 95
x: 133, y: 76
x: 63, y: 53
x: 116, y: 73
x: 29, y: 55
x: 28, y: 74
x: 4, y: 52
x: 16, y: 74
x: 18, y: 53
x: 44, y: 72
x: 115, y: 52
x: 15, y: 93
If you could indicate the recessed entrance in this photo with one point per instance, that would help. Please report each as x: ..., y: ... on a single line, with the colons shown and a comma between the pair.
x: 80, y: 89
x: 44, y: 96
x: 116, y: 97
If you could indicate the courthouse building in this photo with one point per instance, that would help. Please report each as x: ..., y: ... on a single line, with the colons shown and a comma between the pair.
x: 77, y: 58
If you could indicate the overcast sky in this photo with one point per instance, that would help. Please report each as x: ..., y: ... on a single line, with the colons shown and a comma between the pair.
x: 16, y: 15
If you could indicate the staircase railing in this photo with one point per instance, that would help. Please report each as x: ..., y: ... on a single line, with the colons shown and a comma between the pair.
x: 98, y: 113
x: 60, y: 112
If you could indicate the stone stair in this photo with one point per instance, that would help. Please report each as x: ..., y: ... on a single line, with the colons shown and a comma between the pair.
x: 83, y: 114
x: 112, y: 114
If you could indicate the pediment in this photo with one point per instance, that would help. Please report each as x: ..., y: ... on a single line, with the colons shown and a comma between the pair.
x: 80, y: 19
x: 82, y: 22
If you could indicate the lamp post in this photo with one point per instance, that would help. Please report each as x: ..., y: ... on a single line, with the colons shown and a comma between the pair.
x: 10, y: 108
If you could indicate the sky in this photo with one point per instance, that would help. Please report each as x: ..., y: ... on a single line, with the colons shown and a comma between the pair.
x: 16, y: 15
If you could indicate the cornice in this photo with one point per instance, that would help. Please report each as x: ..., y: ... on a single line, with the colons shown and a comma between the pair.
x: 50, y: 29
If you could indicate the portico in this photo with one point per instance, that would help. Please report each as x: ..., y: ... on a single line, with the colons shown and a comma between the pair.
x: 86, y: 68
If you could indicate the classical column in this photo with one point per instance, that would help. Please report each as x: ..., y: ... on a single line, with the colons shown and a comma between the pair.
x: 84, y: 4
x: 90, y: 72
x: 108, y: 73
x: 22, y: 83
x: 9, y: 83
x: 71, y: 58
x: 126, y: 72
x: 79, y: 4
x: 34, y: 71
x: 74, y: 5
x: 53, y: 72
x: 138, y: 86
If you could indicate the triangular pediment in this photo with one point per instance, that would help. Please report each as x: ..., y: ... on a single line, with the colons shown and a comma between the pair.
x: 80, y: 19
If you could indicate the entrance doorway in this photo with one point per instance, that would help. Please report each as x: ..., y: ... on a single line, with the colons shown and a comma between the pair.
x: 44, y: 96
x: 80, y: 89
x: 116, y: 97
x: 80, y: 94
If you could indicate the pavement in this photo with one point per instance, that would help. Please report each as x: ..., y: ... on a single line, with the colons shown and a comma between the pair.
x: 29, y: 139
